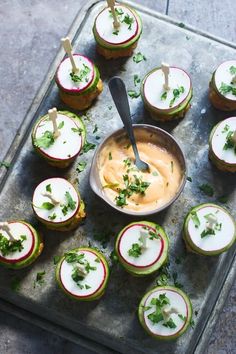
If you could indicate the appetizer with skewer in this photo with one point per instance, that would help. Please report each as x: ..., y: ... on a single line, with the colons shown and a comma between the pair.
x: 166, y: 92
x: 57, y: 204
x: 222, y: 87
x: 78, y: 79
x: 209, y: 230
x: 142, y: 247
x: 58, y: 137
x: 222, y: 145
x: 83, y: 274
x: 117, y: 29
x: 165, y: 312
x: 20, y: 244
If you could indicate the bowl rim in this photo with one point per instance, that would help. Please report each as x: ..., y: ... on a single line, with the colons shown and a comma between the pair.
x: 127, y: 211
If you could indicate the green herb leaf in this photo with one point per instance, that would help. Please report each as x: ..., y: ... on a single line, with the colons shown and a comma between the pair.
x: 39, y: 278
x: 48, y: 188
x: 74, y: 257
x: 170, y: 323
x: 229, y: 144
x: 81, y: 166
x: 135, y: 250
x: 181, y: 25
x: 4, y: 164
x: 45, y: 141
x: 70, y: 202
x: 52, y: 217
x: 128, y: 20
x: 7, y: 247
x: 189, y: 179
x: 88, y: 146
x: 195, y: 218
x: 77, y: 130
x: 82, y: 75
x: 56, y: 259
x: 77, y: 277
x: 226, y: 128
x: 115, y: 32
x: 224, y: 89
x: 137, y: 58
x: 232, y: 70
x: 183, y: 318
x: 133, y: 94
x: 61, y: 125
x: 95, y: 129
x: 164, y: 96
x: 87, y: 286
x: 46, y: 206
x: 207, y: 232
x: 102, y: 237
x: 176, y: 93
x: 137, y: 80
x: 207, y: 189
x: 127, y: 162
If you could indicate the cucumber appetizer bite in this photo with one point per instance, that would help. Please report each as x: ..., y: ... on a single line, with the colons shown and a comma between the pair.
x: 167, y: 92
x: 117, y: 30
x: 20, y: 244
x: 142, y: 247
x: 57, y: 204
x: 209, y: 230
x: 165, y: 312
x: 78, y: 79
x: 222, y: 145
x: 58, y: 137
x: 83, y: 274
x: 222, y: 87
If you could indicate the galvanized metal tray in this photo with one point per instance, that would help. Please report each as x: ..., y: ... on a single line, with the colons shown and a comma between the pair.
x: 113, y: 321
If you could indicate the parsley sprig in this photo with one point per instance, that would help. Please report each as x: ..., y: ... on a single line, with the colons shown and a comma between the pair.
x: 229, y: 144
x: 224, y: 89
x: 135, y: 250
x: 45, y: 141
x: 7, y: 246
x: 176, y: 94
x: 82, y: 75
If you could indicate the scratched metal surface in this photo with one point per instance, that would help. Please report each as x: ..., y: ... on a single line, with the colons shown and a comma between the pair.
x: 113, y: 321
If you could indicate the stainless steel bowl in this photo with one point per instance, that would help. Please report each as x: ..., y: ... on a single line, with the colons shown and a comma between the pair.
x: 155, y: 135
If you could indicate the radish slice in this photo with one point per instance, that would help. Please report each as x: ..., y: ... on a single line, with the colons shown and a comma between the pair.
x: 59, y: 188
x: 223, y: 75
x: 93, y: 281
x: 69, y: 142
x: 19, y: 229
x: 150, y: 254
x: 177, y: 302
x: 153, y: 88
x: 106, y: 31
x: 64, y: 70
x: 219, y: 139
x: 223, y: 235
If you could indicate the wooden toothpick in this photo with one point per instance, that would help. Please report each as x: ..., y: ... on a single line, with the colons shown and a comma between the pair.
x: 5, y: 227
x: 166, y: 70
x: 50, y: 196
x: 66, y: 43
x: 53, y: 117
x: 111, y: 4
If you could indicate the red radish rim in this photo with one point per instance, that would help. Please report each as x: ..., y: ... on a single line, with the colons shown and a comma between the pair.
x: 16, y: 260
x: 134, y: 265
x: 75, y: 90
x: 103, y: 280
x: 128, y: 40
x: 56, y: 222
x: 187, y: 313
x: 51, y: 157
x: 173, y: 107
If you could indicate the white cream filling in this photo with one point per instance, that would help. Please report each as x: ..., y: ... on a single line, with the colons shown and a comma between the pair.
x: 68, y: 143
x: 223, y: 74
x: 18, y: 229
x: 219, y: 140
x: 223, y: 234
x: 150, y: 251
x: 105, y: 28
x: 65, y: 70
x: 93, y: 279
x: 59, y: 187
x: 178, y: 306
x: 154, y: 89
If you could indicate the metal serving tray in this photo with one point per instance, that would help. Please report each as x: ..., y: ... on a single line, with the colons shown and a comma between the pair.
x: 112, y: 321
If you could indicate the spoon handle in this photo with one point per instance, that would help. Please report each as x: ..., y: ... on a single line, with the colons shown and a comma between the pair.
x: 120, y: 98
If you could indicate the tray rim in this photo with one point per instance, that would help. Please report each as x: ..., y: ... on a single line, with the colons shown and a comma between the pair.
x: 17, y: 145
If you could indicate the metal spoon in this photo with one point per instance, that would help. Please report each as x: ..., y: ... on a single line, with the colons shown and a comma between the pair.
x: 120, y: 98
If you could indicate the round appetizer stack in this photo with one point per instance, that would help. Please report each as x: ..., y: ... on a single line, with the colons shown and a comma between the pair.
x: 20, y: 244
x: 222, y: 87
x: 222, y: 145
x: 119, y: 37
x: 209, y: 230
x: 165, y: 312
x: 59, y: 149
x: 167, y: 101
x: 78, y: 88
x: 83, y: 274
x: 142, y: 247
x: 57, y: 204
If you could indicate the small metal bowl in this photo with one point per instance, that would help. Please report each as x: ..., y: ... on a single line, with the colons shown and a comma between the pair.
x: 153, y: 134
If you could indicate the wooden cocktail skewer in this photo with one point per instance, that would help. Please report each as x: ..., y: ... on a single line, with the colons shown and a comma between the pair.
x: 111, y: 4
x: 166, y: 70
x: 5, y: 227
x: 66, y: 43
x: 53, y: 117
x: 53, y: 200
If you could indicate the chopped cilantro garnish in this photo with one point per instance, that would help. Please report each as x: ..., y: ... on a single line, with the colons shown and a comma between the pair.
x: 133, y: 94
x: 56, y: 259
x: 49, y: 188
x: 82, y: 75
x: 4, y: 164
x: 176, y: 93
x: 189, y: 179
x: 7, y: 246
x: 52, y: 217
x: 115, y: 32
x: 136, y: 80
x: 87, y: 286
x: 46, y: 206
x: 207, y: 232
x: 207, y: 189
x: 77, y: 277
x: 170, y: 323
x: 39, y: 278
x: 226, y: 128
x: 128, y: 20
x: 164, y: 96
x: 88, y: 146
x: 45, y: 141
x: 229, y: 144
x: 135, y: 250
x: 195, y: 218
x: 224, y: 89
x: 138, y: 57
x: 183, y: 318
x: 77, y: 130
x: 127, y: 162
x: 70, y: 202
x: 81, y: 166
x: 181, y: 25
x: 95, y: 129
x: 232, y: 70
x: 74, y: 257
x: 61, y: 125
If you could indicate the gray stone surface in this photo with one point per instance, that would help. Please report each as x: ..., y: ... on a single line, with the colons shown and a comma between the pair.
x: 28, y: 28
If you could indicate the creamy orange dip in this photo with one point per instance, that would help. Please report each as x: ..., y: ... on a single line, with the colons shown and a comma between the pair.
x: 118, y: 174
